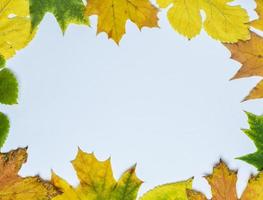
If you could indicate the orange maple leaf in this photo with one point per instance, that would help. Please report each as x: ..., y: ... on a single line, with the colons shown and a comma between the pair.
x: 250, y: 55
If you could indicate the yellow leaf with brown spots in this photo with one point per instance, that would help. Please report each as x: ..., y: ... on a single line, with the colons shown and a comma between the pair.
x: 15, y: 187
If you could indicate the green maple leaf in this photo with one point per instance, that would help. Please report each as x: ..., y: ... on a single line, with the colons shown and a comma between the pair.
x: 8, y: 87
x: 65, y: 11
x: 4, y: 128
x: 255, y: 133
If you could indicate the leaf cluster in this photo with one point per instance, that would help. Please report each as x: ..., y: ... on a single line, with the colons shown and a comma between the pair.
x: 224, y: 22
x: 96, y: 182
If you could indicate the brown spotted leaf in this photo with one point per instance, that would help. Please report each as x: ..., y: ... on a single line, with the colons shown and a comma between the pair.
x: 15, y: 187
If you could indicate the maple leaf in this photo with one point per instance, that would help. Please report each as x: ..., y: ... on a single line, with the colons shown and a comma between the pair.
x: 12, y: 186
x: 255, y: 133
x: 258, y: 24
x: 15, y: 29
x: 250, y: 55
x: 65, y: 11
x: 97, y: 182
x: 4, y: 128
x: 113, y: 15
x: 223, y: 22
x: 223, y: 185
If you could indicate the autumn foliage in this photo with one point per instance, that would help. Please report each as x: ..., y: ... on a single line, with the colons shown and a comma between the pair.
x: 222, y: 21
x: 97, y: 182
x: 13, y: 186
x: 223, y: 183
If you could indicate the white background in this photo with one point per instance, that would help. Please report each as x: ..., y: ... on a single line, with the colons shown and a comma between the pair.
x: 157, y: 100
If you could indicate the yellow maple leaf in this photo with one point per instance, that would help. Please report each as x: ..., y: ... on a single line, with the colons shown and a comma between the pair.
x: 113, y: 15
x: 250, y: 55
x: 97, y: 182
x: 223, y: 185
x: 258, y: 24
x: 223, y: 22
x: 12, y: 186
x: 15, y: 26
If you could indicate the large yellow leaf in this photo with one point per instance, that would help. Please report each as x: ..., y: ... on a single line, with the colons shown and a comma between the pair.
x: 258, y: 24
x: 250, y: 55
x: 113, y: 15
x: 14, y: 187
x: 184, y: 16
x: 97, y: 183
x: 15, y: 26
x: 223, y: 185
x: 223, y: 22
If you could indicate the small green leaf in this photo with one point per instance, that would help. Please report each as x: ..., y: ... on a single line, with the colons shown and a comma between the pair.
x: 255, y: 133
x: 65, y: 11
x: 8, y: 87
x: 4, y: 128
